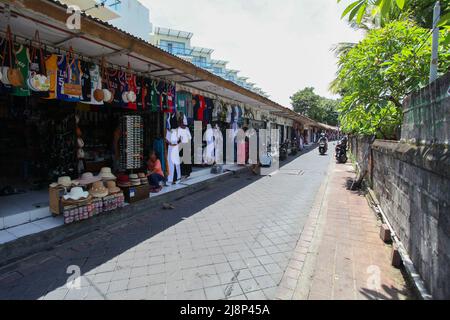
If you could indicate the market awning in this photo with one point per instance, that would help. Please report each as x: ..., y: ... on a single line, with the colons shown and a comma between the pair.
x: 97, y: 39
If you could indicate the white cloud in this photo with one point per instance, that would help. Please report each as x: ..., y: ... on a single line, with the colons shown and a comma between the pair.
x: 281, y: 45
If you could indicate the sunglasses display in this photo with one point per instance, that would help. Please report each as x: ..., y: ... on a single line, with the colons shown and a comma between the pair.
x: 132, y: 142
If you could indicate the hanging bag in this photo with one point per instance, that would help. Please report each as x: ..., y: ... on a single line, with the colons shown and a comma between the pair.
x: 38, y: 80
x: 108, y: 95
x: 13, y: 74
x: 71, y: 87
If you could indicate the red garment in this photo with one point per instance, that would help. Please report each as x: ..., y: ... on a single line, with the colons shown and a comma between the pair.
x: 202, y: 108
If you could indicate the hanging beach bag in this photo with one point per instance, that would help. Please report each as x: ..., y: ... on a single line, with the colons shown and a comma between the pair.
x: 38, y: 81
x: 72, y: 83
x: 13, y: 74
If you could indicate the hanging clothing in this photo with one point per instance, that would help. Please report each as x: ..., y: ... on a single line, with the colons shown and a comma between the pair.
x: 143, y: 90
x: 154, y: 96
x: 209, y: 155
x: 86, y: 82
x: 96, y: 82
x: 184, y: 105
x: 186, y: 139
x: 23, y: 64
x: 162, y: 96
x: 115, y: 86
x: 171, y: 96
x: 158, y: 146
x: 218, y: 145
x: 208, y: 111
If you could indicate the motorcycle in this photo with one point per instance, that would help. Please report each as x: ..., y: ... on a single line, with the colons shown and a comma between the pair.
x: 284, y: 151
x: 341, y: 152
x: 323, y: 148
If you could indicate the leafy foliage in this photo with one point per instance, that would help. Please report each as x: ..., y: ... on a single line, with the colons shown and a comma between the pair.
x: 308, y: 103
x: 384, y: 11
x: 376, y: 75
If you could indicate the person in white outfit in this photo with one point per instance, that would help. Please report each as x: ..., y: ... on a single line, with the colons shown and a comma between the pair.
x: 173, y: 140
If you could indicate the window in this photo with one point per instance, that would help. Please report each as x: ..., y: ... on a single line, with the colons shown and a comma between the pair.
x: 113, y: 4
x: 173, y: 47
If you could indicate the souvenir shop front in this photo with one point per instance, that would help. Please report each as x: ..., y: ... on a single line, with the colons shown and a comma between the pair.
x: 77, y: 132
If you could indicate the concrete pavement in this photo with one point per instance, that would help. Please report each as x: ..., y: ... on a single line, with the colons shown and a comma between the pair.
x: 246, y: 237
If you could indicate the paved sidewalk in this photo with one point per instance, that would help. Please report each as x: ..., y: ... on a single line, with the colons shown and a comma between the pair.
x: 340, y: 255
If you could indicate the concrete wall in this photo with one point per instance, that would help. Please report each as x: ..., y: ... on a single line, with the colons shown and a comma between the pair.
x: 412, y: 186
x: 411, y: 179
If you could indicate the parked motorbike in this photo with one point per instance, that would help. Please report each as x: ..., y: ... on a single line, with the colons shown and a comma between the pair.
x: 341, y: 152
x: 284, y: 151
x: 294, y: 147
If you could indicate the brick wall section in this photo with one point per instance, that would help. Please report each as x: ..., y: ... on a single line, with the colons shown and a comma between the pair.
x: 413, y: 188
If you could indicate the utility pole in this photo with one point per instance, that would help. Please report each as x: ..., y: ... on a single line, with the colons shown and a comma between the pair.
x: 435, y: 46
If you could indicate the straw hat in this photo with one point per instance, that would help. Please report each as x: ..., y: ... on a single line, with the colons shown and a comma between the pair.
x: 87, y: 178
x: 63, y: 182
x: 135, y: 180
x: 112, y: 187
x: 76, y: 194
x: 98, y: 190
x: 106, y: 174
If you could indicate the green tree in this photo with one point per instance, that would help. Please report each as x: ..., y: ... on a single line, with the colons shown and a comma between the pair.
x: 376, y: 75
x: 308, y: 103
x: 381, y: 12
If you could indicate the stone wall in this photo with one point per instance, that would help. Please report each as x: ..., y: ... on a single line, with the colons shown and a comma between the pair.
x: 411, y: 180
x: 412, y: 185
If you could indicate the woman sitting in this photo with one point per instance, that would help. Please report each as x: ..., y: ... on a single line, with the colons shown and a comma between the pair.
x: 156, y: 175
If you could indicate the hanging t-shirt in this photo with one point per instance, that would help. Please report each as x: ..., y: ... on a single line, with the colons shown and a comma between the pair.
x: 23, y: 64
x: 86, y: 82
x: 96, y: 82
x: 208, y: 110
x: 162, y: 96
x: 154, y: 96
x: 115, y: 86
x: 142, y: 93
x: 201, y: 108
x: 216, y: 111
x: 171, y: 93
x: 51, y: 64
x: 185, y: 135
x: 184, y: 104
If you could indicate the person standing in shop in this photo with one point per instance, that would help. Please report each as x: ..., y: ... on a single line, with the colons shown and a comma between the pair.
x: 186, y: 139
x: 173, y: 141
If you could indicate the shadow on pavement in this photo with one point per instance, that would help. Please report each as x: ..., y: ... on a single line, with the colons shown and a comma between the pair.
x: 44, y: 272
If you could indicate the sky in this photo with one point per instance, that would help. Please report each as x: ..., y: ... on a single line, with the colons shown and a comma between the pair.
x: 281, y: 45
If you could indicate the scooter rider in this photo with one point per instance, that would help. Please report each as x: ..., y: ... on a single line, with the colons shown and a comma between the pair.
x: 323, y: 138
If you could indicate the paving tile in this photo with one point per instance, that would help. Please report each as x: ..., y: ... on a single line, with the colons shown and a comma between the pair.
x: 249, y: 285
